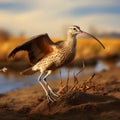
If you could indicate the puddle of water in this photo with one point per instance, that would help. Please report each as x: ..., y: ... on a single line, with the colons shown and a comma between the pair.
x: 12, y: 81
x: 100, y: 66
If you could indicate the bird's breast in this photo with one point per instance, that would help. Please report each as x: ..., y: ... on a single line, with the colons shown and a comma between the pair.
x: 56, y: 59
x: 64, y: 56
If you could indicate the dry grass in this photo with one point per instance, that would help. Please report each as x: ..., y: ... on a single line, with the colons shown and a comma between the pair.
x: 8, y: 45
x: 86, y: 48
x: 87, y: 86
x: 89, y: 48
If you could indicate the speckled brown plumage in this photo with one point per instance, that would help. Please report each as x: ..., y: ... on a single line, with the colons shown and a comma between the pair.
x: 46, y: 56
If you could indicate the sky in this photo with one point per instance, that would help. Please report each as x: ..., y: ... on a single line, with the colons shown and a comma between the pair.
x: 34, y: 17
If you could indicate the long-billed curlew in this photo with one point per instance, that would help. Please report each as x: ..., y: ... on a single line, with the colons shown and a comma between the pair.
x: 46, y: 56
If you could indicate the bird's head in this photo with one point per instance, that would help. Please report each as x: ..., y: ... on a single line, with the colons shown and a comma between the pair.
x: 75, y: 30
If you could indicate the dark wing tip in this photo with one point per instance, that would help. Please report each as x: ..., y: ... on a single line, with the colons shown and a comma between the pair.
x: 12, y: 54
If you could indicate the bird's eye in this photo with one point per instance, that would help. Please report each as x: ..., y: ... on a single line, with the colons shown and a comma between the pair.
x: 74, y: 28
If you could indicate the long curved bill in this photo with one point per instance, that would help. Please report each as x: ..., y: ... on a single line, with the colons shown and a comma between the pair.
x: 93, y: 37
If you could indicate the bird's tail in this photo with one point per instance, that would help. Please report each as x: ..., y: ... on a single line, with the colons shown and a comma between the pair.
x: 28, y: 71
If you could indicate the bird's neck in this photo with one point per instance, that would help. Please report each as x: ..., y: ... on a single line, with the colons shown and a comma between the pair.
x: 71, y: 40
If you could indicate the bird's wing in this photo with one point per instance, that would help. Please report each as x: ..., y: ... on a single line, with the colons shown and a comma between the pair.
x: 36, y: 47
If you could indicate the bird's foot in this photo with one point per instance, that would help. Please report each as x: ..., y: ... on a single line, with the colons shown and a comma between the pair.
x: 50, y: 98
x: 53, y: 93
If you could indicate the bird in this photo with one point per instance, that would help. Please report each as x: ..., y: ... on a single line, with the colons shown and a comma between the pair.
x: 46, y: 56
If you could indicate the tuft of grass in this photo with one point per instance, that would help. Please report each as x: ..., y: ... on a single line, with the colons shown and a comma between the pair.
x: 87, y: 86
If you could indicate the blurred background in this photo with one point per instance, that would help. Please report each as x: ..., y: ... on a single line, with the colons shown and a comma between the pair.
x: 22, y: 19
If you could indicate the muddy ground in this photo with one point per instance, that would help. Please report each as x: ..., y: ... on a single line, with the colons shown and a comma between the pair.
x: 90, y: 99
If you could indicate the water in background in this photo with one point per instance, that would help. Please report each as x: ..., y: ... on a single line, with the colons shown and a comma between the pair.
x: 13, y: 81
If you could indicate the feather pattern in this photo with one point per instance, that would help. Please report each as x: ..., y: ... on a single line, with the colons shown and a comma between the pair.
x: 37, y: 48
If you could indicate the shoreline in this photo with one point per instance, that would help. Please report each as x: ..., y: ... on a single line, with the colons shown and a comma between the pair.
x: 30, y: 103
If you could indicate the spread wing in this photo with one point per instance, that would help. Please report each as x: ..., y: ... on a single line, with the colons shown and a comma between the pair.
x: 37, y: 48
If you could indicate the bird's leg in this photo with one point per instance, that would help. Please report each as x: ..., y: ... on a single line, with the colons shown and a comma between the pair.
x: 44, y: 80
x: 67, y: 82
x: 61, y: 83
x: 46, y: 92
